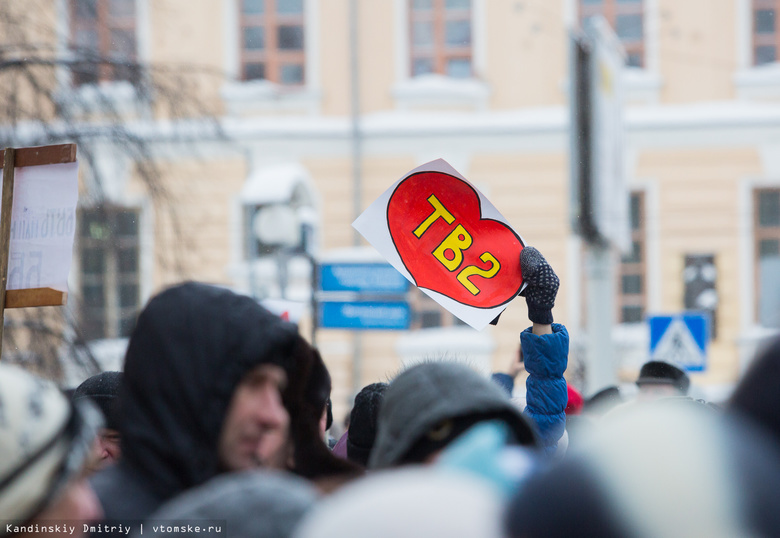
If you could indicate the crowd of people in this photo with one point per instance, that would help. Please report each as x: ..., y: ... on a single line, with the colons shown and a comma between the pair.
x: 218, y: 426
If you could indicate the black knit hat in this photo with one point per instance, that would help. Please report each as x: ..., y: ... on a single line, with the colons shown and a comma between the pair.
x: 603, y: 400
x: 663, y: 373
x: 362, y: 422
x: 102, y: 389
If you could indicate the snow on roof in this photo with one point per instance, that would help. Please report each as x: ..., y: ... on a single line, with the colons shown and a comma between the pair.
x: 273, y: 184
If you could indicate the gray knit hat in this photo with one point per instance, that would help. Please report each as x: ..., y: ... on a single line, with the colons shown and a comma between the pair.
x: 430, y: 404
x: 258, y: 504
x: 44, y: 442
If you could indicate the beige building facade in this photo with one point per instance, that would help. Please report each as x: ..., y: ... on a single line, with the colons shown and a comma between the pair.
x: 325, y: 103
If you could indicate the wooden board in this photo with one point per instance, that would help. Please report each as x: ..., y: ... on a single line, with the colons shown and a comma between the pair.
x: 35, y: 297
x: 37, y: 156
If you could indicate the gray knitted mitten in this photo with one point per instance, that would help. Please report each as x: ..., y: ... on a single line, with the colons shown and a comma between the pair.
x: 542, y: 285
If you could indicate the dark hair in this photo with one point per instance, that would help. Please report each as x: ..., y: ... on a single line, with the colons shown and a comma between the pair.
x: 305, y: 397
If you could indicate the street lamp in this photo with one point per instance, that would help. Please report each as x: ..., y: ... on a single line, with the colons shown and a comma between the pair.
x: 287, y: 232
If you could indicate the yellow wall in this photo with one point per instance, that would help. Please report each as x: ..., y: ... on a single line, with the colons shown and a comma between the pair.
x: 377, y: 57
x: 526, y: 53
x: 191, y: 230
x: 531, y: 191
x: 334, y: 57
x: 698, y: 213
x: 187, y: 47
x: 697, y: 49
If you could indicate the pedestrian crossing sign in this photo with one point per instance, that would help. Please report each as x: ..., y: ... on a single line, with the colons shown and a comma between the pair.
x: 680, y: 339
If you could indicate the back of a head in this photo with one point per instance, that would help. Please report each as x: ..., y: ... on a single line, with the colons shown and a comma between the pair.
x: 603, y: 401
x: 363, y: 422
x: 672, y: 468
x: 430, y: 404
x: 305, y: 398
x: 663, y: 373
x: 416, y: 502
x: 190, y: 348
x: 102, y: 389
x: 44, y: 443
x: 756, y: 396
x: 262, y: 504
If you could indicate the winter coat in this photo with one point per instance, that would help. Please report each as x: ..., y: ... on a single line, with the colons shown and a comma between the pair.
x: 756, y: 396
x: 190, y: 348
x: 546, y: 357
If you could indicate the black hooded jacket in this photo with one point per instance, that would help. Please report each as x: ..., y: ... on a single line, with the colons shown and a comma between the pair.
x: 190, y: 348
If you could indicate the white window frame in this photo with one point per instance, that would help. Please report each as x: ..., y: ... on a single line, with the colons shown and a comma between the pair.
x: 752, y: 334
x: 752, y: 81
x: 439, y: 91
x: 242, y: 97
x: 118, y: 92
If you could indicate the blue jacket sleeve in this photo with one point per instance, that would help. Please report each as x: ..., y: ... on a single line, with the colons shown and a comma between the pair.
x: 505, y: 381
x: 545, y: 358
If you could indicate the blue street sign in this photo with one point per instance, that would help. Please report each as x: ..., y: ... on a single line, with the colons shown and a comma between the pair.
x: 680, y: 339
x: 362, y: 277
x: 365, y: 315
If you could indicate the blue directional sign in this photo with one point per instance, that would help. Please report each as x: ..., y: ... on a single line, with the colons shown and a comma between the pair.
x: 362, y: 277
x: 365, y: 315
x: 680, y: 339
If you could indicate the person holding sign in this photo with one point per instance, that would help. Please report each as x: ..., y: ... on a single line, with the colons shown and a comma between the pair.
x: 428, y: 406
x: 446, y: 238
x: 545, y: 348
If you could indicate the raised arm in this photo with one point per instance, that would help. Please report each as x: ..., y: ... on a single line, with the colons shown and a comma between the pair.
x: 545, y: 348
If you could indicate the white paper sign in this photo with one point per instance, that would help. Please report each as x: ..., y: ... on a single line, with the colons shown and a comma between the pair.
x: 43, y: 226
x: 446, y: 238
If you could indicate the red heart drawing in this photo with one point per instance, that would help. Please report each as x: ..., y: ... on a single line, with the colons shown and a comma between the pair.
x: 436, y: 224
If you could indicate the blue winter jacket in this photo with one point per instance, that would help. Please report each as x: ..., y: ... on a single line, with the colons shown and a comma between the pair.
x: 545, y: 359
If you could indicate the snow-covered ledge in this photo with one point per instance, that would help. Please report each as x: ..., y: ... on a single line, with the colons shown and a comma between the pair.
x: 262, y: 96
x: 120, y: 96
x: 457, y: 344
x: 759, y: 82
x: 438, y: 91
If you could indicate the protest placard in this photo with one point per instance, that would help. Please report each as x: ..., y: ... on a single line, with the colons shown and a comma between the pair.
x: 39, y: 194
x: 43, y: 224
x: 445, y: 236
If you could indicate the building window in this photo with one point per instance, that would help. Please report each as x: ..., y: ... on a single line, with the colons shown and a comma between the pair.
x: 632, y: 281
x: 765, y: 34
x: 440, y: 37
x: 700, y: 279
x: 627, y: 19
x: 108, y: 250
x: 272, y: 41
x: 103, y: 37
x: 767, y: 256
